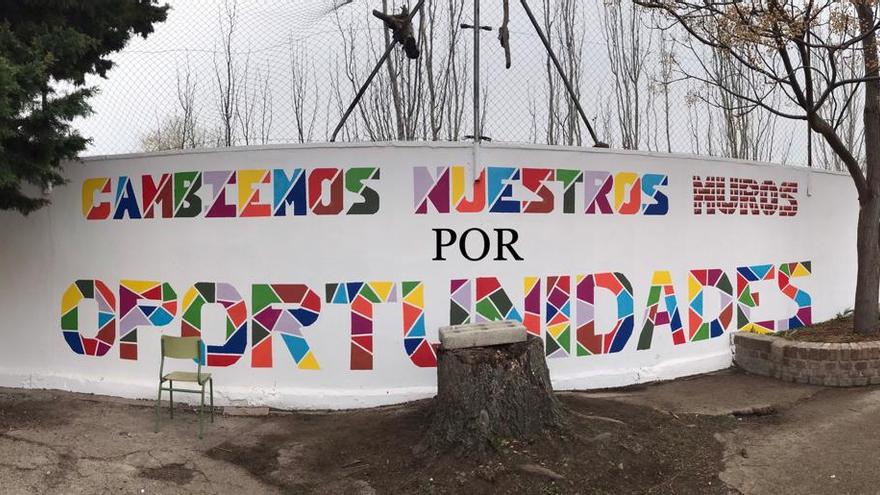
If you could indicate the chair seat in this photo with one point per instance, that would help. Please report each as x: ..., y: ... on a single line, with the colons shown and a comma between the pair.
x: 187, y: 376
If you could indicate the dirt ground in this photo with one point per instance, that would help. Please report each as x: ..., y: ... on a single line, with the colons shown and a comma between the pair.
x: 722, y: 433
x: 837, y: 330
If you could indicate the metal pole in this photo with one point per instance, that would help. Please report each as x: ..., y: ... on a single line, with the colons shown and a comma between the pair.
x: 363, y: 90
x: 559, y: 69
x: 360, y: 93
x: 478, y: 134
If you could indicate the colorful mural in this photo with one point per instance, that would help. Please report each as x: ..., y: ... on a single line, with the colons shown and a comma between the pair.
x: 246, y: 193
x: 297, y: 192
x: 804, y: 300
x: 361, y: 296
x: 272, y: 315
x: 415, y: 337
x: 194, y: 300
x: 729, y: 196
x: 461, y: 302
x: 288, y: 309
x: 532, y: 305
x: 702, y: 328
x: 558, y: 317
x: 661, y: 292
x: 95, y: 290
x: 335, y: 266
x: 747, y: 299
x: 492, y: 302
x: 589, y: 341
x: 143, y: 303
x: 624, y: 193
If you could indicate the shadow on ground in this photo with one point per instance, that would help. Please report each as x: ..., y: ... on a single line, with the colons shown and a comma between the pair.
x: 720, y: 433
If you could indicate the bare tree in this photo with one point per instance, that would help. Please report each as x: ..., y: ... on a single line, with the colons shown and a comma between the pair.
x: 571, y: 40
x: 693, y: 101
x: 244, y: 104
x: 266, y: 108
x: 413, y: 76
x: 562, y: 21
x: 745, y: 131
x: 186, y: 101
x: 628, y: 49
x: 300, y: 94
x: 843, y: 114
x: 442, y: 65
x: 226, y: 74
x: 662, y: 80
x: 457, y: 75
x: 181, y: 129
x: 795, y: 49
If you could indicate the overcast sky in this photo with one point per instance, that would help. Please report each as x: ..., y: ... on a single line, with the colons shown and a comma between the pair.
x: 141, y: 90
x: 142, y: 87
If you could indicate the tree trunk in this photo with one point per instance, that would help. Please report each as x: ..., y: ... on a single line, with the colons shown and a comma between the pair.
x: 866, y: 311
x: 489, y: 394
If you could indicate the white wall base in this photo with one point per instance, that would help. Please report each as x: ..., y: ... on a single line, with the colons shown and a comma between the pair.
x: 338, y: 399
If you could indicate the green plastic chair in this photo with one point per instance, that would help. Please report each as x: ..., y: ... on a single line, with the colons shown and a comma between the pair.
x: 184, y: 348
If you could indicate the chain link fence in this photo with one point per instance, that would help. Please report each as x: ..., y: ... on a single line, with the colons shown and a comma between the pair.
x: 227, y: 73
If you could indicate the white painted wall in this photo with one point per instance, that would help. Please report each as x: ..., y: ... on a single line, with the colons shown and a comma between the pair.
x: 46, y: 252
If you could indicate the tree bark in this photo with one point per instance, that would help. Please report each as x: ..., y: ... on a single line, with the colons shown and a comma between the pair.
x: 489, y: 394
x: 866, y: 310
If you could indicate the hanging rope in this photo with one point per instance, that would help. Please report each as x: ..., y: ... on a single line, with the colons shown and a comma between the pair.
x: 504, y: 34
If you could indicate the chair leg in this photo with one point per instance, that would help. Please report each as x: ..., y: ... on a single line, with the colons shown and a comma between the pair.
x: 201, y: 408
x: 211, y: 384
x: 158, y: 402
x: 171, y: 398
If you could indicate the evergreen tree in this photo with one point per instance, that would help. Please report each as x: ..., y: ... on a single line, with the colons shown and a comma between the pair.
x: 47, y: 47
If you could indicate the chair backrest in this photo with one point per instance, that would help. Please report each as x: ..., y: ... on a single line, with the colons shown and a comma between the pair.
x: 181, y: 347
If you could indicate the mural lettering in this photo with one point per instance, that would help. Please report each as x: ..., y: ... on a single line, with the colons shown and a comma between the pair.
x: 284, y: 309
x: 444, y: 190
x: 288, y: 309
x: 732, y: 195
x: 233, y: 194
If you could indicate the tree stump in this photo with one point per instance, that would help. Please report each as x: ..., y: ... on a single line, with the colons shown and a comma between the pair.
x: 489, y: 394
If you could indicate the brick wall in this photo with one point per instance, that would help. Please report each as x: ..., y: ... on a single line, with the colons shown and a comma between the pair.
x: 835, y: 365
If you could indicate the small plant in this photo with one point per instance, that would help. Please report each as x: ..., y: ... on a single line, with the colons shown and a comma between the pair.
x: 846, y: 313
